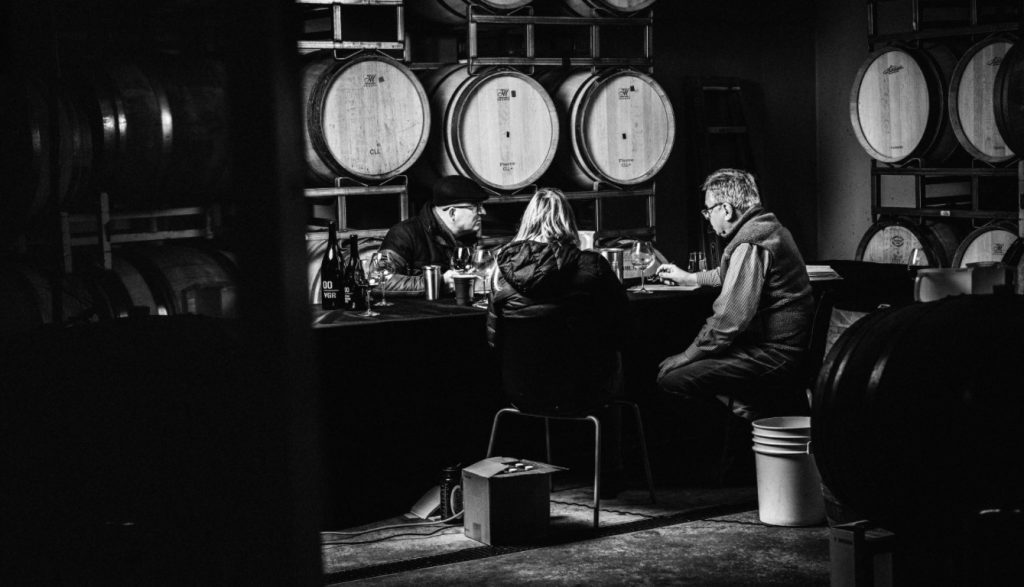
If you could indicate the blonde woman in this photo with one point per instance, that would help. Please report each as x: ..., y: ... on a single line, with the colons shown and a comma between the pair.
x: 558, y: 318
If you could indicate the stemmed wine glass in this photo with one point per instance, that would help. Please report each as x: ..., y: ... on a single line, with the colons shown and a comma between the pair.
x: 641, y: 256
x: 382, y: 267
x: 461, y: 258
x: 366, y: 281
x: 483, y: 264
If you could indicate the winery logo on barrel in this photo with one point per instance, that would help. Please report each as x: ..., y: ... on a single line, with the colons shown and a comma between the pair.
x: 892, y: 69
x: 897, y: 240
x: 371, y: 80
x: 995, y: 61
x: 505, y: 94
x: 624, y: 93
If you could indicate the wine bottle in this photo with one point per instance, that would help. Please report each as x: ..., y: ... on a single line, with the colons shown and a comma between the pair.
x: 332, y: 272
x: 355, y: 278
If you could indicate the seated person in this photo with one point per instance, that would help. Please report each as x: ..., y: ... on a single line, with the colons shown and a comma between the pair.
x: 453, y: 217
x: 749, y: 352
x: 542, y: 272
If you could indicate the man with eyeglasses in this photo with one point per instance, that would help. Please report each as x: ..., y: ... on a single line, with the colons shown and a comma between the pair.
x: 748, y: 354
x: 453, y: 217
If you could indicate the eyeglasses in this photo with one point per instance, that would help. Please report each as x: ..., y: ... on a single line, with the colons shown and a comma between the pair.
x: 706, y: 212
x: 478, y: 208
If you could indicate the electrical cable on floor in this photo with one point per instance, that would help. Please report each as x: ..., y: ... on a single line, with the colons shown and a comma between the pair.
x: 391, y: 527
x: 383, y: 538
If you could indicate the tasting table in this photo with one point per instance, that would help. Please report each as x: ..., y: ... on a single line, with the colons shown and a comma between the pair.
x: 415, y: 389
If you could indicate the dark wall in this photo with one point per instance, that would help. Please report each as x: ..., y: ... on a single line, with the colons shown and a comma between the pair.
x: 770, y: 46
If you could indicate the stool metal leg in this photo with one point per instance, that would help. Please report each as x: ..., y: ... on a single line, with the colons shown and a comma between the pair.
x: 494, y: 428
x: 597, y: 469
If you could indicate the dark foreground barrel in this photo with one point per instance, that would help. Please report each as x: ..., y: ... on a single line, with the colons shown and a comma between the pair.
x: 918, y: 418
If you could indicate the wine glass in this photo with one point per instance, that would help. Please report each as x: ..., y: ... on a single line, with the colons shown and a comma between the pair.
x: 382, y: 267
x: 461, y: 257
x: 365, y: 282
x: 641, y: 256
x: 483, y: 264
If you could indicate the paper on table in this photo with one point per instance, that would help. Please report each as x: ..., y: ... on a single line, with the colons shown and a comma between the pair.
x: 663, y: 287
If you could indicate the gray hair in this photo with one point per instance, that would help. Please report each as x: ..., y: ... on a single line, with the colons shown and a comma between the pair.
x: 549, y: 218
x: 734, y: 187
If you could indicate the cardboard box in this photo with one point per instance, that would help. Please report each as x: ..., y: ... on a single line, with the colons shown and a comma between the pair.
x: 507, y: 500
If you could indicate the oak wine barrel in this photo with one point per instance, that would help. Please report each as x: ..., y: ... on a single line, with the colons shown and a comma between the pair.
x: 898, y: 105
x: 43, y: 163
x: 893, y: 241
x: 366, y: 117
x: 453, y: 12
x: 497, y: 127
x: 30, y: 298
x: 907, y: 410
x: 971, y: 100
x: 1008, y: 96
x: 985, y: 244
x: 160, y: 128
x: 619, y: 126
x: 169, y: 280
x: 597, y: 7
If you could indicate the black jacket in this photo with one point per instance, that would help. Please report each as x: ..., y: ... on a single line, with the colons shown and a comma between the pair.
x: 416, y: 242
x: 532, y: 273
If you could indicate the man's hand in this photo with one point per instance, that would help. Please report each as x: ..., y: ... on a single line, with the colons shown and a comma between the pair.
x: 670, y: 272
x: 671, y: 363
x: 449, y: 279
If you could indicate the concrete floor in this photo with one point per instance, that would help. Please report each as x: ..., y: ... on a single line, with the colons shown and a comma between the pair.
x: 692, y: 536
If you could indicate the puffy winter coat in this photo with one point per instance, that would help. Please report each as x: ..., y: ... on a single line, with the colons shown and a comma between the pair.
x: 558, y: 319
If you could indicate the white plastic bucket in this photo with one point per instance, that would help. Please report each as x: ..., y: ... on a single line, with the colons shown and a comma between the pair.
x: 788, y: 483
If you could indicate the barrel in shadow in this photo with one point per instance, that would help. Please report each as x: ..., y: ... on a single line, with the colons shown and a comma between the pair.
x: 32, y: 297
x: 618, y: 126
x: 365, y: 117
x: 898, y: 104
x: 160, y: 129
x: 497, y: 127
x: 917, y: 418
x: 971, y: 100
x: 168, y: 280
x: 48, y: 151
x: 1008, y: 96
x: 453, y: 12
x: 893, y: 240
x: 987, y: 244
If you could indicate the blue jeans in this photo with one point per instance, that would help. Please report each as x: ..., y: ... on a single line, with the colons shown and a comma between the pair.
x: 756, y: 382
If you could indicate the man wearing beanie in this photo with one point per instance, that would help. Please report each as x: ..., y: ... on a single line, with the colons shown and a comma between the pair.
x: 453, y: 217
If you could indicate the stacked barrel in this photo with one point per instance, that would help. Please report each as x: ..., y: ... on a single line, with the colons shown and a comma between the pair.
x: 926, y: 106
